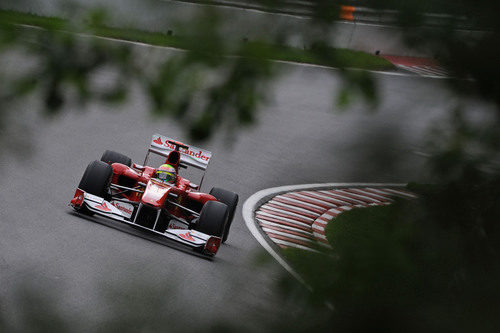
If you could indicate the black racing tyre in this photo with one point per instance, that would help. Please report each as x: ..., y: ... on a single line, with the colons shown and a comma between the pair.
x: 96, y: 178
x: 111, y: 157
x: 213, y: 218
x: 231, y: 200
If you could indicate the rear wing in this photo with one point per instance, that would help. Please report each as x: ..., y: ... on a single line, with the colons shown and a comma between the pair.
x: 190, y: 155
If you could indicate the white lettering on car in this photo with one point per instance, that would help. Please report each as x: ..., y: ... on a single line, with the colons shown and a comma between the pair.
x: 124, y: 207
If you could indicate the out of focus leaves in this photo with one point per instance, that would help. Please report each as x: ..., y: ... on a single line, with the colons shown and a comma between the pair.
x: 24, y: 86
x: 427, y: 265
x: 126, y: 306
x: 357, y: 84
x: 423, y: 265
x: 65, y: 61
x: 472, y: 56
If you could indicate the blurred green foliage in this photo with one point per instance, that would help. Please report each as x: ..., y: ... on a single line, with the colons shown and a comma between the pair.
x: 125, y: 306
x: 68, y: 61
x: 425, y: 265
x: 472, y: 57
x: 429, y: 264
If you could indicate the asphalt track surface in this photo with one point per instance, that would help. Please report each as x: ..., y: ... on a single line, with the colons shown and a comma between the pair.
x: 94, y: 271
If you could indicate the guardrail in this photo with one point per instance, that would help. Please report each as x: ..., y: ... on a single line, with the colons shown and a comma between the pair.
x: 349, y: 11
x: 392, y: 17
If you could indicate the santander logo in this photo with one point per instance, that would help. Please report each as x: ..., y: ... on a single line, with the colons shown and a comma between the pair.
x: 122, y: 207
x: 158, y: 141
x: 196, y: 155
x: 103, y: 207
x: 187, y: 236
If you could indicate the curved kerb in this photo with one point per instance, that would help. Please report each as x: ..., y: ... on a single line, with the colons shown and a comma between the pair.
x: 256, y: 200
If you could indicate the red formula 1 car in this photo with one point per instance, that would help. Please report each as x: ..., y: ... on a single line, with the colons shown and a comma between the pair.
x: 116, y: 188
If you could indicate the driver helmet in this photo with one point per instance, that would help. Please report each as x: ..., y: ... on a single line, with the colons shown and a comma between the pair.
x: 166, y: 173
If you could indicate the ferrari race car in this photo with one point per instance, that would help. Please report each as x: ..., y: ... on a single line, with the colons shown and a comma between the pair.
x: 118, y: 189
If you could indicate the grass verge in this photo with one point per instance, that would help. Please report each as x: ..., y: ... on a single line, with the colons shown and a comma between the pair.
x: 325, y: 56
x: 360, y: 234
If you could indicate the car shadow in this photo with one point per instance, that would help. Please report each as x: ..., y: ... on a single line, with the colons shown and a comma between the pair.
x: 140, y: 233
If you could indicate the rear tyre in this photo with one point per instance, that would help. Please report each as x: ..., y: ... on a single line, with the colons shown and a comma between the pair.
x: 231, y: 200
x: 96, y: 180
x: 111, y: 157
x: 213, y: 218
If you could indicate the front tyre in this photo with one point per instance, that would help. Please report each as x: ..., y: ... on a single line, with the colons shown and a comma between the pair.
x: 213, y: 218
x: 96, y: 180
x: 111, y: 157
x: 231, y: 200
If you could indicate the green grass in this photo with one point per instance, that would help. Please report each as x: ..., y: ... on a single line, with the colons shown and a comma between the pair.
x: 13, y: 17
x: 326, y: 56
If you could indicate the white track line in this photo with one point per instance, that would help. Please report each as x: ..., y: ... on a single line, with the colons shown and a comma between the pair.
x: 402, y: 193
x: 368, y: 193
x: 382, y: 191
x: 87, y: 35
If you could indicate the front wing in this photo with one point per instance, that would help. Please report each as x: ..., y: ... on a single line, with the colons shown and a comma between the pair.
x: 206, y: 244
